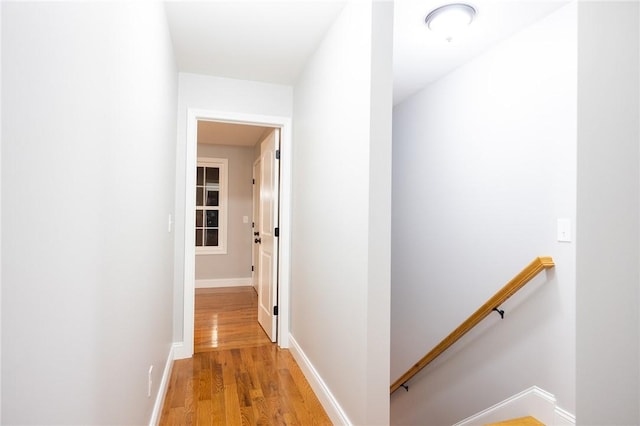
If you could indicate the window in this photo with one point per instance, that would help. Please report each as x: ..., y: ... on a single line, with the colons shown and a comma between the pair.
x: 211, y: 206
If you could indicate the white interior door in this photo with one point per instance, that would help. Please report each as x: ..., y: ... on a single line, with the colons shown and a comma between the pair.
x: 266, y: 240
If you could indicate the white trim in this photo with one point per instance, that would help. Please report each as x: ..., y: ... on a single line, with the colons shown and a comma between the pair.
x: 224, y: 282
x: 164, y: 385
x: 284, y: 123
x: 180, y: 351
x: 223, y: 165
x: 534, y: 402
x: 563, y: 418
x: 284, y: 223
x: 254, y: 219
x: 328, y: 401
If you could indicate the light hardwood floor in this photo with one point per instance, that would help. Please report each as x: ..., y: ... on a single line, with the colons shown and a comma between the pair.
x: 237, y: 376
x: 227, y: 318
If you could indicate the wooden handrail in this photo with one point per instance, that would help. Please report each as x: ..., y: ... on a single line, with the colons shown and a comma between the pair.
x: 534, y: 268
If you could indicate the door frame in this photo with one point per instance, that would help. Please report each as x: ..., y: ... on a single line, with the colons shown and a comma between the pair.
x: 256, y: 205
x: 284, y: 265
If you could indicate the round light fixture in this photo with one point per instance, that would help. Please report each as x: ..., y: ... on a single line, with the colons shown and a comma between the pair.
x: 450, y: 19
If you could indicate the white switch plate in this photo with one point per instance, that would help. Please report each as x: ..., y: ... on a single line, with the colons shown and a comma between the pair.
x: 169, y: 223
x: 564, y: 230
x: 245, y: 219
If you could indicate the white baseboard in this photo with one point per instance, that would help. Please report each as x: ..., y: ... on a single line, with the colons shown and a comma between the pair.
x: 530, y: 402
x: 180, y: 351
x: 224, y: 282
x: 563, y: 418
x: 328, y: 401
x: 162, y: 389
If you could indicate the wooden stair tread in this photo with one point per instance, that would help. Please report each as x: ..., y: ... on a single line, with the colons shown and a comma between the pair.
x: 521, y: 421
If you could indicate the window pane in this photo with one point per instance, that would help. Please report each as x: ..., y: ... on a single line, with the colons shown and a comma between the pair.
x: 213, y: 175
x: 211, y: 238
x: 213, y: 198
x: 200, y: 176
x: 212, y: 218
x: 210, y: 200
x: 199, y: 195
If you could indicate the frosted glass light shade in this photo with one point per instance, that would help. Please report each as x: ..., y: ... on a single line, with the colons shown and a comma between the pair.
x: 450, y: 19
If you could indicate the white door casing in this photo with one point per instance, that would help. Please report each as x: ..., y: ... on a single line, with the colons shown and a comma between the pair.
x: 184, y: 349
x: 267, y: 240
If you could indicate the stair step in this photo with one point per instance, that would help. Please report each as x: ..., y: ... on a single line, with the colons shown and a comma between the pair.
x: 522, y: 421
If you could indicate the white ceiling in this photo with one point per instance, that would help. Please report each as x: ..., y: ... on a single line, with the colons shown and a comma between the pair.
x: 420, y: 57
x: 260, y: 40
x: 217, y: 133
x: 270, y: 41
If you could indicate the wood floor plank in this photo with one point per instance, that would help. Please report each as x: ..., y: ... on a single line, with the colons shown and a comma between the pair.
x: 231, y: 406
x: 205, y: 414
x: 218, y: 382
x: 265, y: 368
x: 247, y: 416
x: 260, y: 409
x: 310, y: 400
x: 205, y: 377
x: 179, y: 394
x: 294, y: 400
x: 217, y: 405
x: 177, y: 417
x: 276, y: 409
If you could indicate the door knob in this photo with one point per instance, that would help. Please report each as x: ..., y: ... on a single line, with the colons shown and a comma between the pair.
x: 257, y: 240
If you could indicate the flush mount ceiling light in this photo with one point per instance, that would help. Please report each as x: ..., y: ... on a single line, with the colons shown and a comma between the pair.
x: 450, y: 19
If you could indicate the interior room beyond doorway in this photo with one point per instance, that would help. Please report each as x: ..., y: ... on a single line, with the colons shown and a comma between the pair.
x: 226, y: 213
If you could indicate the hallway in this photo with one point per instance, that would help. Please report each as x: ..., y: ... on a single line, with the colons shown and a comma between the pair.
x: 237, y: 376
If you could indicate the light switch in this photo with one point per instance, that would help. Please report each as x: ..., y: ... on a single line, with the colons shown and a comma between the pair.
x: 245, y: 219
x: 564, y: 230
x: 169, y: 223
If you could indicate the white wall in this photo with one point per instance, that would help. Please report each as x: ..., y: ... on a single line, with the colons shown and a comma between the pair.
x: 88, y: 112
x: 341, y: 209
x: 608, y: 276
x: 0, y: 213
x: 237, y: 262
x: 484, y: 163
x: 223, y: 95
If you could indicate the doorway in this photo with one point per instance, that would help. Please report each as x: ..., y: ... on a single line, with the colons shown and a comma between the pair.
x: 283, y: 262
x: 237, y: 243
